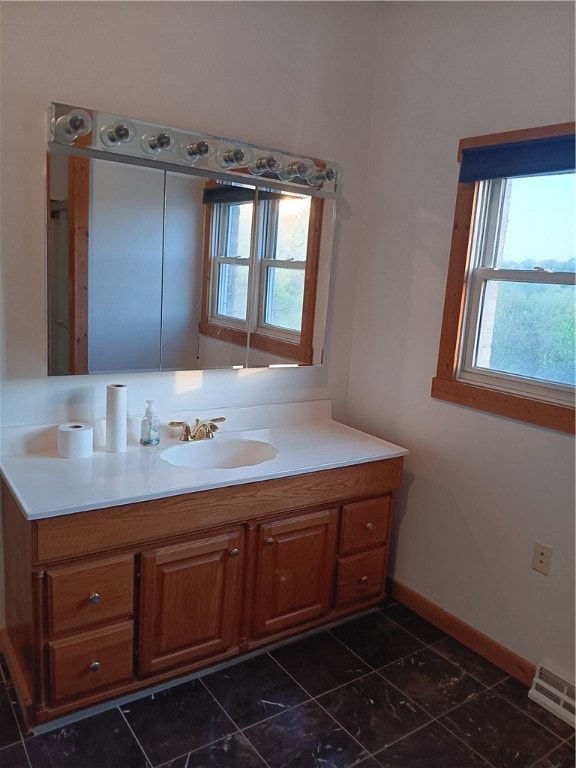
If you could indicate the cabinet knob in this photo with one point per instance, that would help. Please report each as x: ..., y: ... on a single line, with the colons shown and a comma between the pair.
x: 270, y: 541
x: 234, y: 552
x: 95, y: 598
x: 370, y: 526
x: 363, y: 579
x: 95, y: 666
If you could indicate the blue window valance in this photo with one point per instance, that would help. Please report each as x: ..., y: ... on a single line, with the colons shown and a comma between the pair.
x: 555, y: 154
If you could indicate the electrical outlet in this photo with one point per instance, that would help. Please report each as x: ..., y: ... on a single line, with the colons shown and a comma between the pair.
x: 541, y: 558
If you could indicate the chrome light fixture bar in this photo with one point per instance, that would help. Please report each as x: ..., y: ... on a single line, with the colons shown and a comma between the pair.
x: 98, y: 133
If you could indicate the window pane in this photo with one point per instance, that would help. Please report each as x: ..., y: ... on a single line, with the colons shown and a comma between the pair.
x: 292, y: 230
x: 537, y: 225
x: 284, y: 298
x: 527, y: 329
x: 238, y: 231
x: 232, y: 294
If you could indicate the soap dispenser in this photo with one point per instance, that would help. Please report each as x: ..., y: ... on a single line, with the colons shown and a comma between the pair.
x: 149, y: 426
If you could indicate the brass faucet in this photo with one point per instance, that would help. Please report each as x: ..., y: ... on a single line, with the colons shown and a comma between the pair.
x: 202, y: 430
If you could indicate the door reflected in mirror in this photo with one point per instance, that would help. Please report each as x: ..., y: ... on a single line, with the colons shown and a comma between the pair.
x: 152, y: 269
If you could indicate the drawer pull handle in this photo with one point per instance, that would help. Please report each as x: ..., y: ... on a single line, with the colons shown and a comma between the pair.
x: 364, y: 580
x: 370, y: 526
x: 270, y: 541
x: 234, y: 552
x: 95, y: 666
x: 95, y: 598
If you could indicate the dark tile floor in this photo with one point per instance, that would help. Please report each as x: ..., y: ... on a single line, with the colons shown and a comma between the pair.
x: 387, y: 690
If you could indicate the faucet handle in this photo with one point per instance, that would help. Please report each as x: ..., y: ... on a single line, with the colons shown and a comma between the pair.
x: 213, y: 422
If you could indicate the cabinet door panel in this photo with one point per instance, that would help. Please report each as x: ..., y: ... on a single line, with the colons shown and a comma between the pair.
x: 190, y: 604
x: 294, y: 572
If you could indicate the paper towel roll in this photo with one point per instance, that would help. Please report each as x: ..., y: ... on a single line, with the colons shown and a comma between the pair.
x: 116, y: 418
x: 75, y: 441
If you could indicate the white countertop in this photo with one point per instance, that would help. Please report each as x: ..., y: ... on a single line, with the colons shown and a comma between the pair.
x: 46, y: 485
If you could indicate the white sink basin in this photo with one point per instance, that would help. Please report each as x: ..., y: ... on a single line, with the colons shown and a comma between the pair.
x: 219, y: 453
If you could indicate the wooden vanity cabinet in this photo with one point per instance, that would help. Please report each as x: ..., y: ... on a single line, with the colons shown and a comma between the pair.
x: 103, y: 603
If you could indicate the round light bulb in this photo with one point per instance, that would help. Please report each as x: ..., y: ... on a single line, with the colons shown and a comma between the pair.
x: 317, y: 176
x: 152, y: 143
x: 234, y: 156
x: 297, y: 168
x: 272, y: 163
x: 122, y: 132
x: 68, y: 127
x: 197, y: 150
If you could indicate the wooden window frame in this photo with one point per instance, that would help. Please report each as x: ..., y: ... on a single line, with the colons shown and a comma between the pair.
x: 445, y: 385
x: 302, y: 351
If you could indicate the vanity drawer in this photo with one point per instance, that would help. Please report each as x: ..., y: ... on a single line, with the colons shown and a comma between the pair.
x: 360, y: 576
x: 82, y: 595
x: 91, y: 661
x: 364, y: 524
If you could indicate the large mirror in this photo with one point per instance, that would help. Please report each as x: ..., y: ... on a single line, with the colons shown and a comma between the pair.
x: 159, y: 263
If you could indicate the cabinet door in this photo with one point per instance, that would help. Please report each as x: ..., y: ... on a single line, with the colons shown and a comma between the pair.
x: 190, y: 601
x: 295, y: 571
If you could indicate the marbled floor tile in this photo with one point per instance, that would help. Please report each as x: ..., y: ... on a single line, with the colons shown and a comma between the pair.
x: 101, y: 741
x: 254, y: 690
x: 14, y: 757
x: 368, y: 763
x: 430, y: 747
x: 373, y: 711
x: 304, y: 737
x: 17, y: 711
x: 414, y: 624
x: 563, y: 757
x: 499, y: 732
x: 320, y: 663
x: 176, y: 721
x: 470, y: 662
x: 432, y: 681
x: 517, y: 693
x: 9, y: 733
x: 376, y: 639
x: 232, y: 752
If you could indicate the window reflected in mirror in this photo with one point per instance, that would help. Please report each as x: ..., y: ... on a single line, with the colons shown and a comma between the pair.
x: 261, y: 269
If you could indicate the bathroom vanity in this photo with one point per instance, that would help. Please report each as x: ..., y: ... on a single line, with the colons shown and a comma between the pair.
x: 126, y: 590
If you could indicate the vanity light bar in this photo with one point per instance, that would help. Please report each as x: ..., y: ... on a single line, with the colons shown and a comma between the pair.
x: 129, y: 138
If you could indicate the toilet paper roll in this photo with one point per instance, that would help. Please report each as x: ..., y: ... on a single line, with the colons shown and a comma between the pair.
x: 116, y: 418
x: 75, y: 441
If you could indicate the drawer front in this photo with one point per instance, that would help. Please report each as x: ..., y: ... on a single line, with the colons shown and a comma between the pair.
x: 360, y: 576
x: 364, y: 524
x: 91, y: 661
x: 82, y: 595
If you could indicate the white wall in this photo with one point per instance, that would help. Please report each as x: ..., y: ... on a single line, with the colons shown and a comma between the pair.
x: 290, y: 75
x: 479, y: 489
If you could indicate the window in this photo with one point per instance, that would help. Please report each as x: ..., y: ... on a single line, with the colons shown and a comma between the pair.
x: 260, y: 270
x: 508, y: 342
